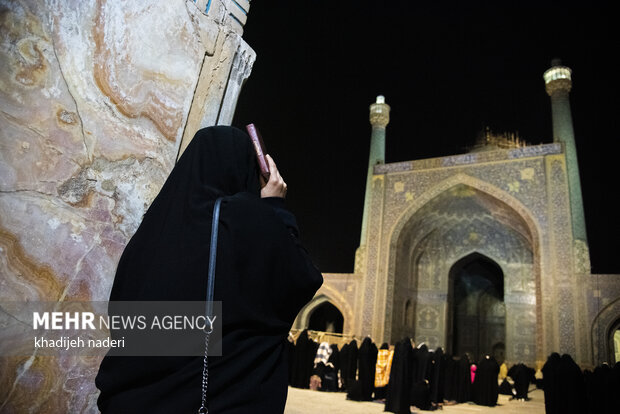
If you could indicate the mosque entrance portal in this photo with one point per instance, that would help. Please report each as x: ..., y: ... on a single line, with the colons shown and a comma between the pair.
x: 477, y: 313
x: 464, y: 266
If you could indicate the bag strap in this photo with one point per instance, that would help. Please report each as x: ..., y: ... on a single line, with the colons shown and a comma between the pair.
x: 209, y: 301
x: 212, y: 257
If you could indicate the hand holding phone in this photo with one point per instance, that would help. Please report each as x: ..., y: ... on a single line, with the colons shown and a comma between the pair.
x: 259, y: 146
x: 275, y: 187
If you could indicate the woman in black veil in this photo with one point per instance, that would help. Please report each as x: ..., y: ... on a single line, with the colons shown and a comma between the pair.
x: 263, y: 278
x: 398, y: 398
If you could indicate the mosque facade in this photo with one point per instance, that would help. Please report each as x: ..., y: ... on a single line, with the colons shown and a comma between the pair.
x: 480, y: 253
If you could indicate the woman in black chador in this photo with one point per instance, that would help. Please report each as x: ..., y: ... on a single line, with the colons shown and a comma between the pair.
x: 485, y: 389
x: 523, y: 376
x: 398, y: 398
x: 462, y: 379
x: 362, y: 389
x: 367, y: 362
x: 263, y: 278
x: 303, y: 360
x: 551, y: 384
x: 348, y: 364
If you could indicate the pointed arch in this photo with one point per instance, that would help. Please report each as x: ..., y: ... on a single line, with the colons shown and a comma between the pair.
x: 517, y: 215
x: 477, y: 184
x: 603, y: 325
x: 303, y: 318
x: 475, y: 277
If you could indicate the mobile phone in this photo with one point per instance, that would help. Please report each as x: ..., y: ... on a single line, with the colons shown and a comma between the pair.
x: 259, y: 146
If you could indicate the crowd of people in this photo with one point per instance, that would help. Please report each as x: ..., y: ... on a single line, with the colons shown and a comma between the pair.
x: 405, y: 375
x: 569, y: 389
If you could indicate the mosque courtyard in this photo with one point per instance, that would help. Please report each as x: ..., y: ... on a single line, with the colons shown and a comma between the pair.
x: 303, y: 401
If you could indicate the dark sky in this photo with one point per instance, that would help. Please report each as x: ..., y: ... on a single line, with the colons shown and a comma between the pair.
x: 447, y: 70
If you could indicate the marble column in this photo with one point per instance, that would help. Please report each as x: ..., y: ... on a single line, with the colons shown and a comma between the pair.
x: 96, y: 97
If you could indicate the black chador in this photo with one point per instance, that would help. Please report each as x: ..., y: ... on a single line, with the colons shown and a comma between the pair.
x: 523, y: 376
x: 437, y: 376
x: 563, y: 385
x: 571, y: 387
x: 602, y: 388
x: 398, y: 397
x: 334, y: 360
x: 303, y: 360
x: 348, y: 363
x: 422, y: 366
x: 421, y: 395
x: 450, y: 382
x: 290, y: 344
x: 367, y: 363
x: 505, y: 388
x: 420, y: 370
x: 551, y: 384
x: 263, y: 278
x: 485, y: 388
x: 462, y: 378
x: 327, y: 374
x: 343, y: 368
x: 457, y: 385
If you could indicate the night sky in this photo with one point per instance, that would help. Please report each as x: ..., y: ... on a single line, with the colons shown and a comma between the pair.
x: 447, y: 70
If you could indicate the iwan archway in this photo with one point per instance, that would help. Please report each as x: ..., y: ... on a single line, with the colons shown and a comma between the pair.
x: 458, y: 230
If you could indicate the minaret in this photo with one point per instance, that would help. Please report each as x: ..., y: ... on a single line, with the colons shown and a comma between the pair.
x: 558, y: 84
x: 379, y: 118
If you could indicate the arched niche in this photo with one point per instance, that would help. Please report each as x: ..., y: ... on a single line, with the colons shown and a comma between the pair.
x: 605, y: 324
x: 327, y: 306
x: 459, y: 217
x: 327, y: 318
x: 476, y: 316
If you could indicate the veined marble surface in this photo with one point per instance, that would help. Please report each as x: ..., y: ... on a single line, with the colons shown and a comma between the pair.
x: 96, y: 97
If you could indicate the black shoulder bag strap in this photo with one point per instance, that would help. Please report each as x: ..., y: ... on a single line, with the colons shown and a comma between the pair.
x: 209, y: 302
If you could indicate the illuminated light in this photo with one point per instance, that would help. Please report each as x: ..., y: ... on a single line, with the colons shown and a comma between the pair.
x: 557, y: 72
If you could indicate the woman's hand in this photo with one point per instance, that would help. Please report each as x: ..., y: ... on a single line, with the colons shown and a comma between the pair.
x: 275, y: 187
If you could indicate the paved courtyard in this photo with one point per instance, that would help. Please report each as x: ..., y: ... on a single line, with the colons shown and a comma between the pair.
x: 314, y: 402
